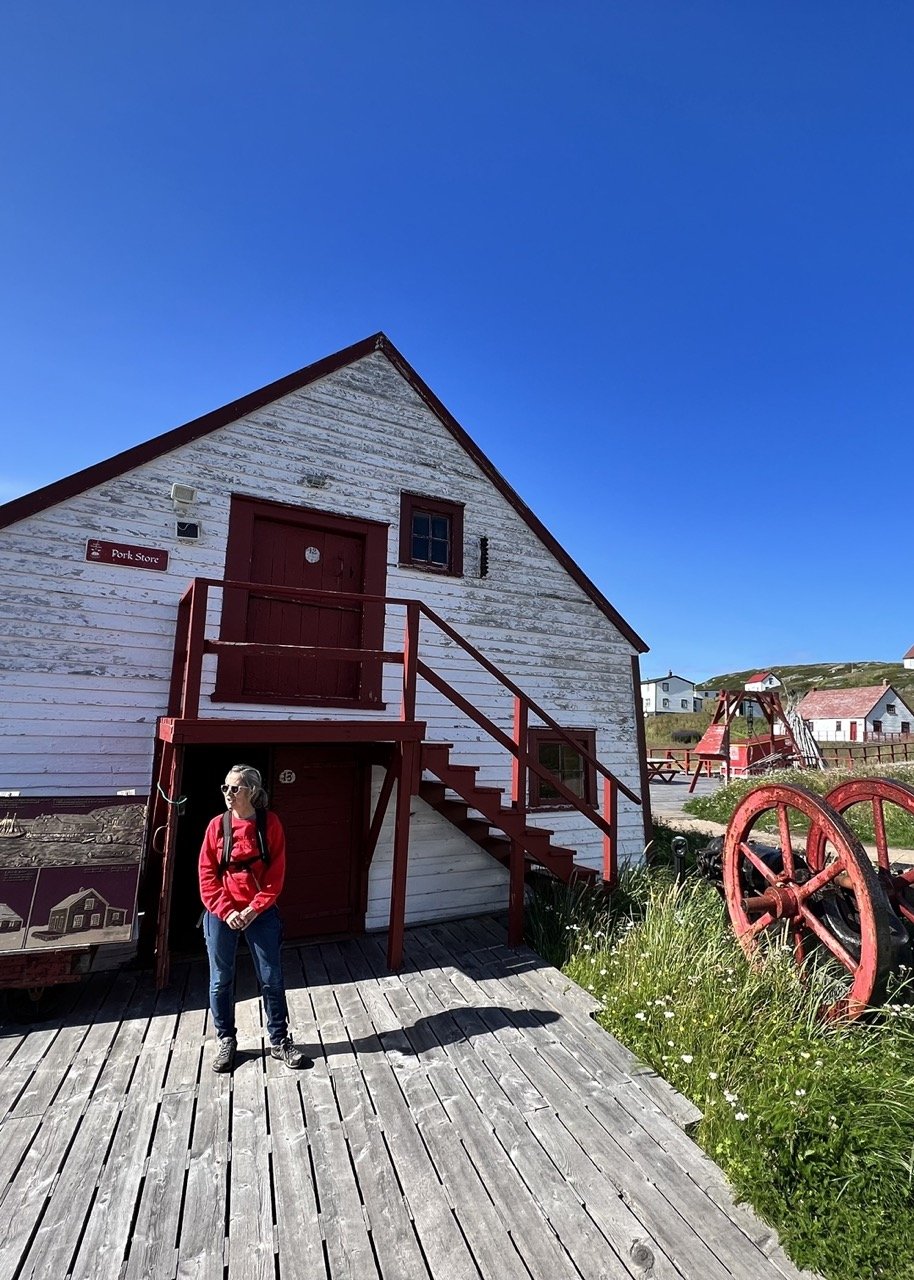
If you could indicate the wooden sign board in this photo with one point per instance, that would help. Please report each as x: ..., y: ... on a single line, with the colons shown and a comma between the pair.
x: 129, y: 557
x: 69, y: 871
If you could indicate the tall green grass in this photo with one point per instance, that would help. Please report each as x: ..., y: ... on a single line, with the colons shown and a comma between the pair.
x: 812, y: 1122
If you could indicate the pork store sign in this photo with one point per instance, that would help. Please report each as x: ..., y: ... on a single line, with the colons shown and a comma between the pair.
x: 124, y: 554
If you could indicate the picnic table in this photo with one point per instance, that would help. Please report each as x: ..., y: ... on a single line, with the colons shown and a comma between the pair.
x: 662, y: 768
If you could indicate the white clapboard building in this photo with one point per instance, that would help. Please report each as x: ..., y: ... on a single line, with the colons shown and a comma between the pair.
x: 327, y: 579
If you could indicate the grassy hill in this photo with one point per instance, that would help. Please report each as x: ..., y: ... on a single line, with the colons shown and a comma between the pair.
x: 825, y: 675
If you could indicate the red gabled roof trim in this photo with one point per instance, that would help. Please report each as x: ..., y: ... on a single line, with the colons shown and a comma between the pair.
x: 32, y: 503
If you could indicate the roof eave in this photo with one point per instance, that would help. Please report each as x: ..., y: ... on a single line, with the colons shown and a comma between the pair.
x: 100, y: 472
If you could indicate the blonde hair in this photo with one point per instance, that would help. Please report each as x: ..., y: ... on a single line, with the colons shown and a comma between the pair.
x: 254, y: 782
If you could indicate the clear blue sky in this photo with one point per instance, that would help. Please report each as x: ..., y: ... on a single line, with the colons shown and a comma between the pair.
x: 657, y: 256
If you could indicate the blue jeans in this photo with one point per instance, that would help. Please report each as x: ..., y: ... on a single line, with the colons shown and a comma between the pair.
x: 264, y: 939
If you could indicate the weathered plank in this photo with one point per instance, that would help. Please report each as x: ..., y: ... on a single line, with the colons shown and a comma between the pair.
x: 392, y: 1233
x: 342, y: 1221
x: 104, y: 1243
x: 153, y: 1239
x: 202, y: 1240
x: 443, y: 1243
x: 299, y: 1240
x: 22, y: 1206
x: 250, y: 1226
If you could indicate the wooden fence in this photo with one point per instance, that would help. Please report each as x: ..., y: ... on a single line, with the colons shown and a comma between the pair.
x: 835, y: 755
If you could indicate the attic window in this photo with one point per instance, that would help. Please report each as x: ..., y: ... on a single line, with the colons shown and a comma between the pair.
x: 890, y: 709
x: 431, y: 534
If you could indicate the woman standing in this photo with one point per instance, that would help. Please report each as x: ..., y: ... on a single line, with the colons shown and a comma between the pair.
x: 242, y: 868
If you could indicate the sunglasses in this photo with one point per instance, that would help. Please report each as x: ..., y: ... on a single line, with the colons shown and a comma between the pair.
x: 232, y: 789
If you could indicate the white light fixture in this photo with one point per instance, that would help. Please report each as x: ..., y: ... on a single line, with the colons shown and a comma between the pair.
x: 182, y: 495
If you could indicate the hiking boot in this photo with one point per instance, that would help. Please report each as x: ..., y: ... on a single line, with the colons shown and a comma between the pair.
x: 225, y: 1054
x: 286, y: 1052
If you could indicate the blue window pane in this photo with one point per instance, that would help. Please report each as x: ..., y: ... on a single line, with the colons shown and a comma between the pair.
x: 438, y: 552
x: 420, y: 549
x: 441, y: 527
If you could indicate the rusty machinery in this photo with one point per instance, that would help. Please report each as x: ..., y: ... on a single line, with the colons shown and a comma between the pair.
x: 792, y: 870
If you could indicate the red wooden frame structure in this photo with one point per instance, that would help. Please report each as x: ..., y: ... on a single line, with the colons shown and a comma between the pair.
x: 715, y: 745
x: 184, y: 725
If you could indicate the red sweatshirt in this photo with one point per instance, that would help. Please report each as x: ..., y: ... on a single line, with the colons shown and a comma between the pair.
x: 257, y: 886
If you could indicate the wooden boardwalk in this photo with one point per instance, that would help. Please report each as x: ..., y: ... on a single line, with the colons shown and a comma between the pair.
x: 464, y: 1118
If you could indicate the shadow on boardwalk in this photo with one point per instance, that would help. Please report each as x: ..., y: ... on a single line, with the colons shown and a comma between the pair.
x: 464, y: 1118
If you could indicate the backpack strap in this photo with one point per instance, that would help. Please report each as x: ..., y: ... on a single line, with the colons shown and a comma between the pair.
x: 260, y: 818
x: 226, y: 842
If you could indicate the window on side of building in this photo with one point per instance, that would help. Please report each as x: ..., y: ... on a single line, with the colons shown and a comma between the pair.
x: 431, y: 534
x: 665, y: 687
x: 837, y: 726
x: 891, y: 709
x: 666, y: 702
x: 566, y: 763
x: 906, y: 726
x: 877, y: 726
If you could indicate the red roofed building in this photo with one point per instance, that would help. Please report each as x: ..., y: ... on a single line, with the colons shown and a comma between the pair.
x: 856, y: 715
x: 763, y: 681
x: 908, y: 658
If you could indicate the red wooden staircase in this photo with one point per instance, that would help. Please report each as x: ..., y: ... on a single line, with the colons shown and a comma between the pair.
x: 536, y: 842
x: 496, y: 821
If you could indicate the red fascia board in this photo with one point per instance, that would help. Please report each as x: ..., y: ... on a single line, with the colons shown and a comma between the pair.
x: 32, y: 503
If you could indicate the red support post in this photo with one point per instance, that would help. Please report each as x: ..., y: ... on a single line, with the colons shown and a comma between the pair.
x: 516, y: 867
x: 611, y: 817
x: 519, y: 762
x: 406, y: 772
x: 193, y: 668
x: 410, y: 658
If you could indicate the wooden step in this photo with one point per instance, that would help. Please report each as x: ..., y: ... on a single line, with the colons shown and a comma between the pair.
x: 476, y: 828
x: 432, y: 790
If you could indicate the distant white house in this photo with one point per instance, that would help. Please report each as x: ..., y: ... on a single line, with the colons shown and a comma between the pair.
x: 909, y: 658
x: 856, y: 715
x: 668, y: 694
x: 762, y: 682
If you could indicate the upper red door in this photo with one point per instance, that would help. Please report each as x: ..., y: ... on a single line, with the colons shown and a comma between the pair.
x: 295, y: 547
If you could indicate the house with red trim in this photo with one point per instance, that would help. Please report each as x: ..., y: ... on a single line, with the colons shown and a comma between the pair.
x: 327, y: 579
x: 865, y: 714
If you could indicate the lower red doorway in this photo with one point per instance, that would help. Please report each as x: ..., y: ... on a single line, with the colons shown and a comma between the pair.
x: 321, y: 795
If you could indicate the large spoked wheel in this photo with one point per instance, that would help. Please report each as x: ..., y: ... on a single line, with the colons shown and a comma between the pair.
x: 837, y: 910
x: 876, y: 792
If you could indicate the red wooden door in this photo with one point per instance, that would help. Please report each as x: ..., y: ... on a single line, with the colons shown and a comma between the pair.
x: 289, y: 554
x: 853, y: 729
x: 295, y: 547
x: 319, y: 794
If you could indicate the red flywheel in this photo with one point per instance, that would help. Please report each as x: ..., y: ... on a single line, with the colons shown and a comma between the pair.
x: 833, y: 908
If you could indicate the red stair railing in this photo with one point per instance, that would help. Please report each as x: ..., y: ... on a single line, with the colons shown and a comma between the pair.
x: 191, y: 644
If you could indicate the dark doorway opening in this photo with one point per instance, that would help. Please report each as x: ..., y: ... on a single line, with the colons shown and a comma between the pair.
x: 321, y: 793
x: 204, y: 771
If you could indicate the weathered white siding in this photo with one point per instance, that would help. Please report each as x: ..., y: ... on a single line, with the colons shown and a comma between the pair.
x: 86, y: 648
x: 448, y: 875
